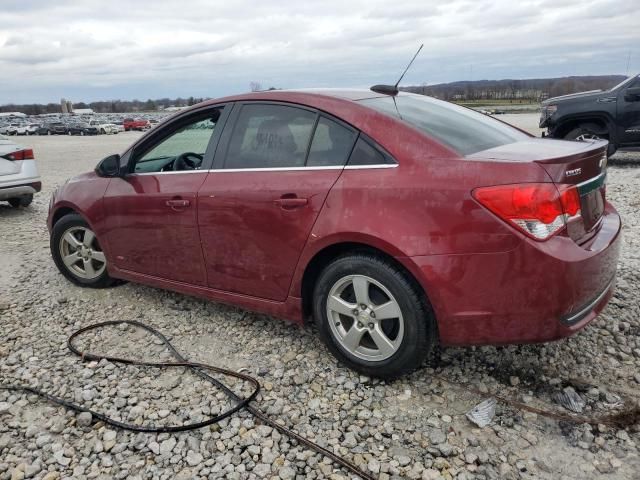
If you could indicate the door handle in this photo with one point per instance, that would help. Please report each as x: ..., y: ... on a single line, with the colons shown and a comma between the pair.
x: 290, y: 202
x: 177, y: 203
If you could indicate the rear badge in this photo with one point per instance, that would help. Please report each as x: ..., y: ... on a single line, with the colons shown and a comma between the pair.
x: 573, y: 173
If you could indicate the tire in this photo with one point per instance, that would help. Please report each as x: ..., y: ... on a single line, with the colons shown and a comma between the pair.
x: 23, y: 201
x: 96, y: 275
x: 411, y: 336
x: 584, y: 133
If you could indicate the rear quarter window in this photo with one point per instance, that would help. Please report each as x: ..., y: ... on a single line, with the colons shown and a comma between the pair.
x: 462, y: 129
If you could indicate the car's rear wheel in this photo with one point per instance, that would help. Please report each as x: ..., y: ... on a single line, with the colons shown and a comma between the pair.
x: 77, y: 253
x: 23, y: 201
x: 584, y: 133
x: 372, y: 316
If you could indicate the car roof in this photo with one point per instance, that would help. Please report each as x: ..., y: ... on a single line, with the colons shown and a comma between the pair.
x: 303, y: 95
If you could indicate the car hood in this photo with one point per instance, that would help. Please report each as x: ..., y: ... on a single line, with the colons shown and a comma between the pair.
x: 580, y: 95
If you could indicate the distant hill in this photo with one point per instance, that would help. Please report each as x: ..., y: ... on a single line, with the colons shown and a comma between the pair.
x: 534, y: 89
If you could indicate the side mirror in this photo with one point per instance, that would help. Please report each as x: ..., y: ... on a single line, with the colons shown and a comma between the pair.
x: 109, y: 166
x: 632, y: 94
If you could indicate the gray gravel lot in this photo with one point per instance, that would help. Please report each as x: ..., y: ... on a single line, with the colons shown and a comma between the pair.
x: 412, y: 428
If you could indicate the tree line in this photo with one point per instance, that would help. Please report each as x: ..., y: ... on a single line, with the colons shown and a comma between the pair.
x: 535, y: 90
x: 109, y: 106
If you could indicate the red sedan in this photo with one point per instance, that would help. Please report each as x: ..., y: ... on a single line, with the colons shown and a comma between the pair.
x: 395, y: 221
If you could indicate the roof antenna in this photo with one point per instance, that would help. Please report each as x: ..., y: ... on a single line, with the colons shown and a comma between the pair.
x: 393, y: 89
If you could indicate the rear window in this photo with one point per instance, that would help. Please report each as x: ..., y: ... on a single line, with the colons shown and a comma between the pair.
x: 462, y: 129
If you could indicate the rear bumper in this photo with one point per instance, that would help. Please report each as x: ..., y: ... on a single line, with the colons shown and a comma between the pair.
x: 537, y: 292
x: 19, y: 190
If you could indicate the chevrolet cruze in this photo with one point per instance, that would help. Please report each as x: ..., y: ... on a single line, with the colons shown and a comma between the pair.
x: 395, y: 221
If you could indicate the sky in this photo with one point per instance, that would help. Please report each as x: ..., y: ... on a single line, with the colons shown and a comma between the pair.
x: 124, y: 49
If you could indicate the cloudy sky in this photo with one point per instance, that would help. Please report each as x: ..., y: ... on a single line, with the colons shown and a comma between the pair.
x: 100, y: 50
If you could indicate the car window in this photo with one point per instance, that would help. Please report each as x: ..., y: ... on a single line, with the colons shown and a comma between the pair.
x: 462, y: 129
x: 270, y: 136
x: 366, y: 154
x: 331, y: 144
x: 167, y: 155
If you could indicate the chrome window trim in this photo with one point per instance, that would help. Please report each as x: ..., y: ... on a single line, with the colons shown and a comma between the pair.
x: 165, y: 173
x: 302, y: 169
x: 273, y: 169
x: 363, y: 167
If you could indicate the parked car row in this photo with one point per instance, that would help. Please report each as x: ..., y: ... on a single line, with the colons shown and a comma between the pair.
x: 108, y: 124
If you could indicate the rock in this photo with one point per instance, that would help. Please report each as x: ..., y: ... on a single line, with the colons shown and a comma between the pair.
x: 17, y: 474
x: 61, y: 459
x: 364, y: 414
x: 350, y: 440
x: 262, y: 470
x: 194, y: 458
x: 43, y: 440
x: 84, y: 419
x: 167, y: 446
x: 4, y: 408
x: 437, y: 437
x: 87, y: 395
x: 286, y: 473
x: 431, y: 474
x: 154, y: 447
x: 32, y: 470
x: 374, y: 466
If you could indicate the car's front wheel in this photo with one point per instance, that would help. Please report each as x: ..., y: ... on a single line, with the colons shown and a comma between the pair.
x: 372, y: 316
x: 77, y: 253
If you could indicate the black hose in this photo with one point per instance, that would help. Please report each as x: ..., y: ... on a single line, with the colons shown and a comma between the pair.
x: 200, y: 370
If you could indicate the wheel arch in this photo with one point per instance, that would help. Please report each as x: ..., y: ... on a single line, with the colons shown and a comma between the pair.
x: 61, y: 212
x: 600, y: 124
x: 325, y: 255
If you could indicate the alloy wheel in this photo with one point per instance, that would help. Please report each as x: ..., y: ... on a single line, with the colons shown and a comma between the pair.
x: 81, y: 253
x: 587, y: 136
x: 365, y: 318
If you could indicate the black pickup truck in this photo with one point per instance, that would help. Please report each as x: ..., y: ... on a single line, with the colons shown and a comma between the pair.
x: 612, y: 114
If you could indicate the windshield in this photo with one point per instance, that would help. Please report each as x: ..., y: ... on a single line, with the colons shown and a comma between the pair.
x: 462, y: 129
x: 624, y: 82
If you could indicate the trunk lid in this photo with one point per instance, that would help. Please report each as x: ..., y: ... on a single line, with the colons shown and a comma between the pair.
x: 582, y: 164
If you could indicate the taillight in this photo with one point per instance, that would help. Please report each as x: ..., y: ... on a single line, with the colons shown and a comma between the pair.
x: 26, y: 154
x: 540, y: 210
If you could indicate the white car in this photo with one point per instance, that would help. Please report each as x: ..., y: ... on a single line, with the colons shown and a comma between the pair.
x: 17, y: 129
x: 19, y: 178
x: 103, y: 128
x: 32, y: 128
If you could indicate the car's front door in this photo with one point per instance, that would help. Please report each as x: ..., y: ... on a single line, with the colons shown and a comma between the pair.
x: 151, y: 212
x: 273, y: 170
x: 629, y: 114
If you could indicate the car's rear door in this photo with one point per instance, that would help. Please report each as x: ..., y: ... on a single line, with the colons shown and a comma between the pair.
x: 151, y: 213
x: 272, y: 172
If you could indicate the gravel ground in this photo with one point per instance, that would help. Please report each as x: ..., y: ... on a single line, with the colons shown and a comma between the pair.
x: 412, y: 428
